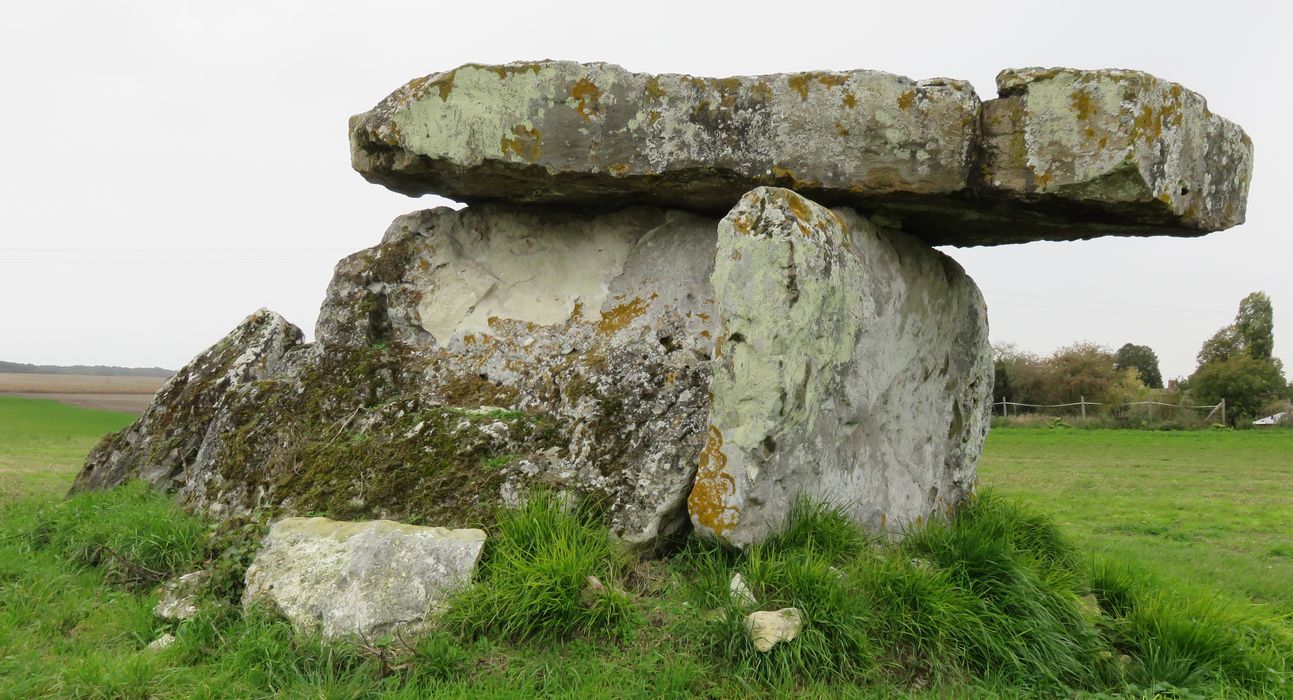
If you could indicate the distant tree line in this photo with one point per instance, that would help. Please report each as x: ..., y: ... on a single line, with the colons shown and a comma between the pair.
x: 1236, y: 364
x: 99, y: 370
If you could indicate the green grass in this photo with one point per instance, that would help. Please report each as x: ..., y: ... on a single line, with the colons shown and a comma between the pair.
x: 43, y: 443
x: 1210, y: 508
x: 1004, y: 602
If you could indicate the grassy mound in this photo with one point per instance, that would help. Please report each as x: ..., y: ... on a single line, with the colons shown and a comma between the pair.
x: 994, y: 603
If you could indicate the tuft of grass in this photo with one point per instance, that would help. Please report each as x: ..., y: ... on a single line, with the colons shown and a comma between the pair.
x: 136, y: 535
x: 534, y: 573
x: 1024, y: 585
x: 822, y: 529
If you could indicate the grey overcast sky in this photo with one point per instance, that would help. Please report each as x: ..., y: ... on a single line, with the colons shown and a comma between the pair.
x: 171, y: 166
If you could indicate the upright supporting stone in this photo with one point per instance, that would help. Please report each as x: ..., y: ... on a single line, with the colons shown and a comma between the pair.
x: 854, y: 370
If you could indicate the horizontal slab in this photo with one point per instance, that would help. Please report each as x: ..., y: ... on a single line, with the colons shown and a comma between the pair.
x: 1114, y: 146
x: 599, y: 134
x: 1062, y: 154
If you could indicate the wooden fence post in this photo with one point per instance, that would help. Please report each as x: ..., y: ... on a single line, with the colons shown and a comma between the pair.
x: 1223, y: 410
x: 1082, y: 401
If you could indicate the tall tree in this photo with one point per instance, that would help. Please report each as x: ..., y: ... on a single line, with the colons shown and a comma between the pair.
x: 1223, y: 345
x: 1255, y: 324
x: 1236, y: 362
x: 1252, y: 333
x: 1144, y: 360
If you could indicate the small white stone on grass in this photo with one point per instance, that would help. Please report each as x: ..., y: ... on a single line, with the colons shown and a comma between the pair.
x: 740, y: 592
x: 768, y: 628
x: 160, y: 643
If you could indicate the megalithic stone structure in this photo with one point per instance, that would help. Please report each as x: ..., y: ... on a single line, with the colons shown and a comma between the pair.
x: 691, y: 300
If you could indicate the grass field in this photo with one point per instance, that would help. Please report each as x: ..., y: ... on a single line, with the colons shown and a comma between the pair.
x: 1214, y: 508
x: 990, y: 607
x: 43, y: 443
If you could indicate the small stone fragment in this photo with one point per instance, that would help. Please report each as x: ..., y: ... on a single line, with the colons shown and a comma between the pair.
x: 160, y: 643
x: 360, y: 578
x: 768, y: 628
x: 592, y: 591
x: 740, y: 592
x: 178, y: 599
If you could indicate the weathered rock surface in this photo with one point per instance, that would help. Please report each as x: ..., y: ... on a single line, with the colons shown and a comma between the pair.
x: 471, y: 356
x: 172, y: 444
x: 1114, y: 146
x: 854, y: 369
x: 1062, y: 154
x: 360, y: 578
x: 597, y: 134
x: 768, y: 628
x: 477, y: 354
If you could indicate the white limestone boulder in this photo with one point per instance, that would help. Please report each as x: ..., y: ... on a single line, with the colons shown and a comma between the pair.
x: 365, y: 579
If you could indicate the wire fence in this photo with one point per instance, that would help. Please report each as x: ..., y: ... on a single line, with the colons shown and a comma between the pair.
x: 1006, y: 407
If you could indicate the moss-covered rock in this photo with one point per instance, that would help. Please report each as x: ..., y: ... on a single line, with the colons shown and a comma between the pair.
x: 475, y: 355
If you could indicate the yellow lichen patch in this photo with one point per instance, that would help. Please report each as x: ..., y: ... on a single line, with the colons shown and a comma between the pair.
x: 761, y: 90
x: 907, y: 99
x: 577, y: 313
x: 653, y: 116
x: 469, y: 339
x: 706, y: 334
x: 799, y: 207
x: 741, y: 224
x: 417, y: 87
x: 618, y: 168
x: 799, y: 83
x: 883, y: 178
x: 587, y: 95
x: 1083, y: 103
x: 621, y: 316
x: 708, y: 502
x: 1148, y: 125
x: 525, y: 143
x: 653, y: 87
x: 445, y: 84
x: 850, y: 100
x: 423, y: 265
x: 841, y: 129
x: 727, y: 84
x: 512, y: 69
x: 1044, y: 179
x: 832, y: 79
